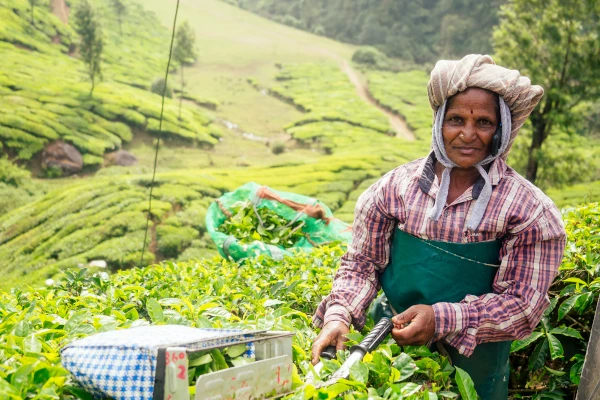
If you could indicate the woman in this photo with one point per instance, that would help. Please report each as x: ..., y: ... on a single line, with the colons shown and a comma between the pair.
x: 463, y: 247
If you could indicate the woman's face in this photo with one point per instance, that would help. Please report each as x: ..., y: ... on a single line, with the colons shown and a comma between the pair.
x: 470, y: 122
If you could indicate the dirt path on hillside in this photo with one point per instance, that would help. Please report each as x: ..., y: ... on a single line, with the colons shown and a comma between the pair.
x: 396, y: 121
x: 60, y: 9
x: 399, y: 125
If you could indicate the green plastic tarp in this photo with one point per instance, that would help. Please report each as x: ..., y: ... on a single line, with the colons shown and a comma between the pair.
x: 321, y: 230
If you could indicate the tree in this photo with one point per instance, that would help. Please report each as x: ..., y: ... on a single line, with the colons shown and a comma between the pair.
x: 87, y: 25
x: 555, y: 43
x: 32, y: 3
x: 121, y: 11
x: 185, y: 51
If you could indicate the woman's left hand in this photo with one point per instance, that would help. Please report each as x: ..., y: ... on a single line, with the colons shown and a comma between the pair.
x: 421, y: 328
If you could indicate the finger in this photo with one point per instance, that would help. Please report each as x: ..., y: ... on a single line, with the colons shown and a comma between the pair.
x: 403, y: 340
x: 317, y: 348
x: 412, y: 334
x: 340, y: 344
x: 405, y: 317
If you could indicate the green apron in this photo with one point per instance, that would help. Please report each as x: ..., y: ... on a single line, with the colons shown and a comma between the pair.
x: 424, y: 272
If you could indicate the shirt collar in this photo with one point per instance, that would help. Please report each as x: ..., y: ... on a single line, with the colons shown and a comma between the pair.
x: 427, y: 175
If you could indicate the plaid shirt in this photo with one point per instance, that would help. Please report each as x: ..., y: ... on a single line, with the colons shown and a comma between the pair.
x: 527, y: 221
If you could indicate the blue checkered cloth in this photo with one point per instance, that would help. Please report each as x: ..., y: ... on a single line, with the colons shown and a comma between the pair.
x: 122, y: 364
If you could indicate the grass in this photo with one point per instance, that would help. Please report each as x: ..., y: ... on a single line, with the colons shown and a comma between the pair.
x: 235, y: 45
x: 576, y: 194
x: 232, y: 151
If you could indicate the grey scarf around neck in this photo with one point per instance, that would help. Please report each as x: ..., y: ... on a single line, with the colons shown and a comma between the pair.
x: 440, y: 153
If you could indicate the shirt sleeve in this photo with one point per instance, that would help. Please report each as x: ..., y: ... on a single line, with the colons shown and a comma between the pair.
x: 356, y: 281
x: 529, y: 262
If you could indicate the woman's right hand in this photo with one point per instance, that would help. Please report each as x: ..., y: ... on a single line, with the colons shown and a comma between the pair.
x: 332, y: 334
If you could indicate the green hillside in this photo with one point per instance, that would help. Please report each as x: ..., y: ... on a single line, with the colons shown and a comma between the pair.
x: 275, y: 83
x: 103, y: 218
x: 265, y: 103
x: 321, y: 113
x: 44, y: 93
x: 236, y: 45
x: 406, y: 94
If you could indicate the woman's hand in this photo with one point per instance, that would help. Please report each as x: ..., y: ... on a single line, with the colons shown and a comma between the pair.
x: 420, y: 330
x: 334, y: 333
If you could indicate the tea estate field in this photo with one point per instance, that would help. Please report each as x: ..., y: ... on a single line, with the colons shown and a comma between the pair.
x: 285, y: 89
x: 261, y: 293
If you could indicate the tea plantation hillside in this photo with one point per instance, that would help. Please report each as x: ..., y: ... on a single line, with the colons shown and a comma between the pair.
x: 45, y: 93
x: 405, y: 93
x: 45, y: 96
x: 103, y: 218
x: 339, y: 144
x: 236, y: 45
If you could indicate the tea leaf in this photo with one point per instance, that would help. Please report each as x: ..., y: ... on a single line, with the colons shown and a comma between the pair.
x: 566, y: 332
x: 575, y: 372
x: 521, y: 344
x: 236, y: 351
x: 359, y: 372
x: 538, y: 357
x: 32, y: 344
x: 566, y: 306
x: 465, y: 384
x: 155, y: 311
x: 556, y: 349
x: 405, y: 364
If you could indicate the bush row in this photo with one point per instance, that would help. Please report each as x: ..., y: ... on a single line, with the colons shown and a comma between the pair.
x: 44, y: 93
x: 261, y: 293
x: 406, y: 94
x: 325, y: 93
x: 105, y: 217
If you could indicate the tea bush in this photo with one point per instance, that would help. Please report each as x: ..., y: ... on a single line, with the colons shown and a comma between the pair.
x: 104, y: 217
x: 278, y: 148
x: 44, y: 93
x: 282, y: 295
x: 158, y: 87
x: 550, y: 360
x: 258, y: 294
x: 325, y: 93
x: 11, y: 174
x: 370, y: 56
x: 13, y: 14
x: 16, y: 186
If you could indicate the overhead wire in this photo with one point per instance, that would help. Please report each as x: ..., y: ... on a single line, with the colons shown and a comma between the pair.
x: 162, y: 109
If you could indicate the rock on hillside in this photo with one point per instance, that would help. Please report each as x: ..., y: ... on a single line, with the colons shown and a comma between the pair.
x: 121, y: 158
x: 62, y: 156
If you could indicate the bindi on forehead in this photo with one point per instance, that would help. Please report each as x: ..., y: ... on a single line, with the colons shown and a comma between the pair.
x: 471, y: 111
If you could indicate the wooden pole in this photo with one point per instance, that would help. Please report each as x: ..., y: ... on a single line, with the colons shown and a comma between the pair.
x: 589, y: 386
